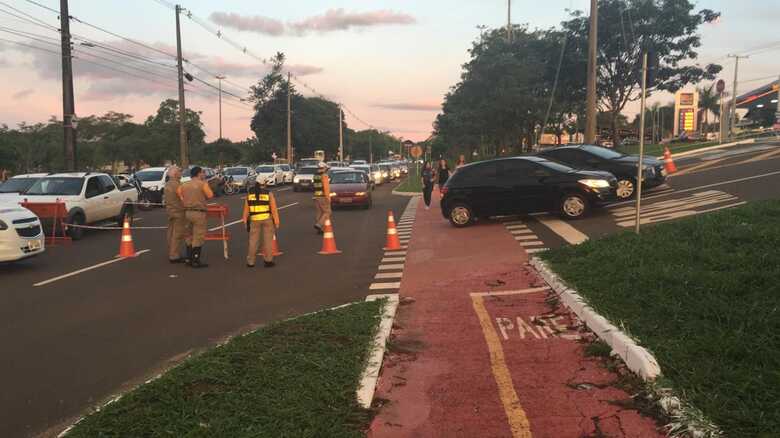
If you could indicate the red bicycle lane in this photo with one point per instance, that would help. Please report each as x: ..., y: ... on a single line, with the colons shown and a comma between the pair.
x: 478, y: 351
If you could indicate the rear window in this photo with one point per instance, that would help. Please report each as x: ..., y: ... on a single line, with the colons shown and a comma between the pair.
x: 236, y: 171
x: 63, y: 186
x: 347, y: 178
x: 265, y: 169
x: 599, y: 151
x: 149, y: 175
x: 17, y: 185
x: 307, y: 171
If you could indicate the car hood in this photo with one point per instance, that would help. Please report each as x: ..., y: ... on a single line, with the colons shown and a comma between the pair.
x: 593, y: 174
x: 11, y: 198
x: 633, y: 159
x: 348, y: 188
x: 11, y: 212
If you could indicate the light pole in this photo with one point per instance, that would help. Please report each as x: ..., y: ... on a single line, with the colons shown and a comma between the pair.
x: 182, y: 109
x: 733, y: 108
x: 219, y: 143
x: 341, y: 134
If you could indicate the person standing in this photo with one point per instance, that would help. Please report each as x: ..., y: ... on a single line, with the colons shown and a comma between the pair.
x: 461, y: 162
x: 321, y: 196
x: 262, y: 220
x: 177, y: 223
x: 194, y: 194
x: 427, y: 176
x: 442, y: 173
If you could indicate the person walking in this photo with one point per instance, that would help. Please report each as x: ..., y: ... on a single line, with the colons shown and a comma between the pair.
x: 442, y: 173
x: 177, y: 222
x: 194, y: 194
x: 321, y: 196
x: 427, y: 176
x: 262, y: 220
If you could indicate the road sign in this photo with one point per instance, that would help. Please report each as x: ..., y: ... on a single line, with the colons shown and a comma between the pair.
x: 416, y: 151
x: 720, y: 86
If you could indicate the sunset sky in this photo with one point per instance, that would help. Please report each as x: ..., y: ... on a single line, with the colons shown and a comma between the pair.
x: 388, y: 61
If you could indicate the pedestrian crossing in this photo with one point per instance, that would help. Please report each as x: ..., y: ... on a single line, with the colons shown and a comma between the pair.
x: 391, y: 267
x: 693, y: 204
x: 527, y: 239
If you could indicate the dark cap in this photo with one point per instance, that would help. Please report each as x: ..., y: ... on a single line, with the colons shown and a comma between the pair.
x: 195, y: 171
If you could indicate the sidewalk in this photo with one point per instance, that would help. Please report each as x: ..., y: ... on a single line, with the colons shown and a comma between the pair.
x: 467, y: 363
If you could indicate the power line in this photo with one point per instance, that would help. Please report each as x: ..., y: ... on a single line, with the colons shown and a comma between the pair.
x: 29, y: 46
x: 35, y: 19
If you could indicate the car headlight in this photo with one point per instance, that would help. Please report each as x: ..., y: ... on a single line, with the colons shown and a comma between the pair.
x: 359, y: 194
x: 153, y: 188
x: 332, y: 194
x: 3, y: 226
x: 595, y: 183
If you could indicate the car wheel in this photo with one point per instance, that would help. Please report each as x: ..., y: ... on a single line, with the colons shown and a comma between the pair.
x: 461, y: 215
x: 625, y: 188
x: 574, y: 206
x: 73, y: 232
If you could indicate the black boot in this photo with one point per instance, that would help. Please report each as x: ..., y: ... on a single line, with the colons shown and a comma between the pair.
x: 196, y: 260
x: 269, y: 264
x: 188, y: 258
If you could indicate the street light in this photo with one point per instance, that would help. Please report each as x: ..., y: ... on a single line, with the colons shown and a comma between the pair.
x: 221, y: 157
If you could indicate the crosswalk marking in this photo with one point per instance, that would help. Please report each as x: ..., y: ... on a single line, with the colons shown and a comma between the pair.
x: 392, y: 259
x: 696, y: 203
x: 533, y: 243
x: 388, y: 275
x: 563, y: 229
x: 375, y: 286
x: 526, y: 237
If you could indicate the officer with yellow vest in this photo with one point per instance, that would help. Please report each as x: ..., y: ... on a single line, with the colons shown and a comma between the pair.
x: 194, y: 195
x: 262, y: 219
x: 321, y: 196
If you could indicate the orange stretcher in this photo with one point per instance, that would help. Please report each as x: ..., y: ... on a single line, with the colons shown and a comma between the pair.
x: 54, y: 212
x: 219, y: 211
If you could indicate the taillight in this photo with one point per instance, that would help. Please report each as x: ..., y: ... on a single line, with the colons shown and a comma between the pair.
x: 444, y: 190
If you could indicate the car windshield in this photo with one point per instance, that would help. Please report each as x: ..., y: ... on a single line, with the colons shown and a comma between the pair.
x: 17, y: 185
x: 285, y: 167
x: 265, y: 169
x: 63, y: 186
x: 346, y: 178
x: 554, y: 165
x: 309, y: 162
x: 307, y: 171
x: 236, y: 171
x: 149, y: 175
x: 602, y: 152
x: 363, y: 168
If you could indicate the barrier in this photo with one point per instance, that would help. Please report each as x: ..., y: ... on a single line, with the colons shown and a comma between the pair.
x: 57, y: 214
x: 221, y: 233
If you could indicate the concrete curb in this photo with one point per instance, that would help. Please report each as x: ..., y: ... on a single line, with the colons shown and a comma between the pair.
x: 712, y: 148
x: 637, y: 359
x: 406, y: 193
x: 365, y: 392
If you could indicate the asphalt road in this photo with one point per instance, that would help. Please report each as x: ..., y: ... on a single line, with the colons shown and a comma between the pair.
x: 70, y: 344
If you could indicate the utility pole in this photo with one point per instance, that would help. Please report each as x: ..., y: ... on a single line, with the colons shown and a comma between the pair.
x: 590, y: 109
x: 777, y: 111
x: 370, y: 145
x: 289, y: 119
x: 733, y: 108
x: 509, y: 20
x: 185, y: 161
x: 640, y: 166
x: 341, y: 134
x: 219, y: 144
x: 68, y: 104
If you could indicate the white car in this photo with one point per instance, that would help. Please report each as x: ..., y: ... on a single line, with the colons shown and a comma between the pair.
x: 288, y: 173
x: 153, y: 179
x: 14, y: 187
x: 272, y: 174
x: 21, y: 233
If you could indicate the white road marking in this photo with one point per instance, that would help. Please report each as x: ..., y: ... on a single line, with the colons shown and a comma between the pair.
x: 283, y: 190
x: 516, y: 227
x: 230, y: 224
x: 677, y: 215
x: 388, y: 275
x: 676, y: 204
x: 521, y: 232
x: 89, y: 268
x: 376, y: 286
x: 510, y: 292
x: 395, y: 253
x: 392, y: 259
x: 563, y: 229
x: 533, y: 243
x: 535, y: 250
x: 514, y: 223
x: 526, y: 237
x: 391, y: 267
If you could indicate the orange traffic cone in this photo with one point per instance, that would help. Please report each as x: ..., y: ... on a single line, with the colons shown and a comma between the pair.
x: 126, y: 248
x: 328, y: 240
x: 276, y: 251
x: 668, y: 162
x: 392, y: 234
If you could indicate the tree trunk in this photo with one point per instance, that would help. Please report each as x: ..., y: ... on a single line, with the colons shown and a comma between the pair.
x: 615, y: 134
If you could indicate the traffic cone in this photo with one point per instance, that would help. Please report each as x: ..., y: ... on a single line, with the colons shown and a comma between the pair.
x: 328, y: 240
x: 668, y: 162
x: 392, y: 234
x: 276, y: 251
x: 126, y: 248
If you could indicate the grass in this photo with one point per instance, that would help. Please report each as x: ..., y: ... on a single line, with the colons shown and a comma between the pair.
x: 295, y: 378
x: 703, y: 294
x: 412, y: 183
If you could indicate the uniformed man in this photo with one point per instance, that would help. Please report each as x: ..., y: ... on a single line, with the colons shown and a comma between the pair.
x: 321, y: 196
x: 262, y: 219
x: 194, y: 194
x: 177, y: 223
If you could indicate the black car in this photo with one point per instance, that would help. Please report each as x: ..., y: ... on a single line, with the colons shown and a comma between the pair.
x: 623, y: 166
x: 508, y: 186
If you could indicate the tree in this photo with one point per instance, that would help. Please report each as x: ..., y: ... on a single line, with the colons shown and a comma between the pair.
x: 665, y: 28
x: 709, y: 101
x: 162, y: 142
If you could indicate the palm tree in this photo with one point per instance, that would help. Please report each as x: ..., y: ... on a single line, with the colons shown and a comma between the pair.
x: 708, y: 101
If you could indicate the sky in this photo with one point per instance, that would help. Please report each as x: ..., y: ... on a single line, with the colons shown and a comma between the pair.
x: 389, y: 62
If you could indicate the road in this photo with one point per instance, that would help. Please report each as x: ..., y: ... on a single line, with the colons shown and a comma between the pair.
x: 72, y: 342
x: 705, y: 182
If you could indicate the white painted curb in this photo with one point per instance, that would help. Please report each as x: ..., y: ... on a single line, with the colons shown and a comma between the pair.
x: 712, y: 148
x: 365, y: 392
x: 406, y: 193
x: 637, y: 359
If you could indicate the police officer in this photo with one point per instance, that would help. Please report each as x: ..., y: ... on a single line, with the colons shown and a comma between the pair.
x: 177, y: 223
x: 194, y: 194
x: 321, y: 196
x: 262, y: 219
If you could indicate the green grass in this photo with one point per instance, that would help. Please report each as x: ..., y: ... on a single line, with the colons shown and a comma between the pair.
x: 412, y: 183
x: 295, y: 378
x: 703, y: 294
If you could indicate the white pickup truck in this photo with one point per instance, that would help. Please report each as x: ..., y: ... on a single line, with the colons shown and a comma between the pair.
x: 89, y: 198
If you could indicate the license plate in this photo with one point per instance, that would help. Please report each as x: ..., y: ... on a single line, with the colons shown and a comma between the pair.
x: 34, y: 245
x: 346, y: 200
